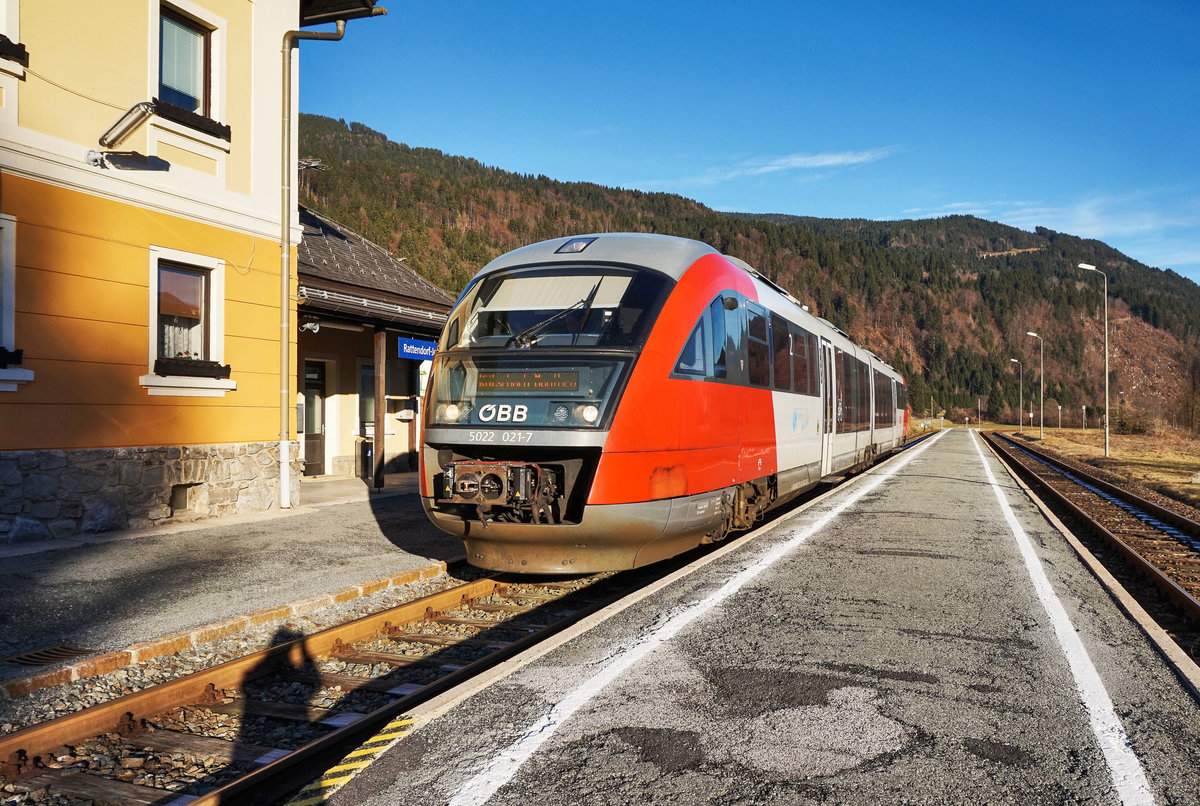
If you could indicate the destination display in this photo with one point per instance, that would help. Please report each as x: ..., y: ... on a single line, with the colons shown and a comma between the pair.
x: 503, y: 381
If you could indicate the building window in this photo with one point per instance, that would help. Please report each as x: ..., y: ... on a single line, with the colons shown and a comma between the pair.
x: 186, y: 350
x: 366, y: 396
x: 11, y: 371
x: 182, y: 312
x: 184, y: 62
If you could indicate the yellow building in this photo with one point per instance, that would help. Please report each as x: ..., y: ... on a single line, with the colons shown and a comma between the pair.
x: 143, y: 291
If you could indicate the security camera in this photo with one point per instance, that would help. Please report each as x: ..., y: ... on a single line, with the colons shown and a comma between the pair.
x: 311, y: 327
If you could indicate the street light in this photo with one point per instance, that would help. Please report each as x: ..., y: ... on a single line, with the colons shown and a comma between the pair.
x: 1042, y: 373
x: 1021, y: 394
x: 1088, y: 267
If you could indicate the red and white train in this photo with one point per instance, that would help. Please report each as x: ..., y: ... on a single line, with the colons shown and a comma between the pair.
x: 607, y: 401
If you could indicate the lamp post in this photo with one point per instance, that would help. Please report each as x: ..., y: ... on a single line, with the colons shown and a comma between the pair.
x: 1042, y: 396
x: 1084, y: 408
x: 1020, y: 393
x: 1088, y: 267
x: 1060, y: 417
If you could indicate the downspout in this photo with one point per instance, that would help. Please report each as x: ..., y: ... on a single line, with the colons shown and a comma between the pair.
x: 287, y: 205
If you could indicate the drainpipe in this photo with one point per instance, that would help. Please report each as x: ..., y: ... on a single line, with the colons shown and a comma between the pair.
x: 287, y: 207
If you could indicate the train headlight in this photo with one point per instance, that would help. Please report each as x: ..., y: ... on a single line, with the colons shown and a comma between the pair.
x: 590, y: 414
x: 453, y: 412
x: 561, y: 413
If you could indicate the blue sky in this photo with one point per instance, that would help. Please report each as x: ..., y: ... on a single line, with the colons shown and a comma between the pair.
x: 1077, y: 116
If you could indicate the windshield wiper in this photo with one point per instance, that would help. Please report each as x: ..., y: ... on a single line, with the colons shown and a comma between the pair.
x: 587, y: 311
x: 527, y: 336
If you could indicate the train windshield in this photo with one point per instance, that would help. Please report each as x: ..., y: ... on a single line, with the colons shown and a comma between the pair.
x: 562, y: 307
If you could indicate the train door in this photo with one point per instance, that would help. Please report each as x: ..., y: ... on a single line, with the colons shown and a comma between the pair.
x: 828, y: 395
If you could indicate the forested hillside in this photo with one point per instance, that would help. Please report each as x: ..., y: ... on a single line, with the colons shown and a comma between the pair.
x: 947, y: 301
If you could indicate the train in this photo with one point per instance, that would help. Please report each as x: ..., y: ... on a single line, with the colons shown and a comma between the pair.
x: 607, y: 401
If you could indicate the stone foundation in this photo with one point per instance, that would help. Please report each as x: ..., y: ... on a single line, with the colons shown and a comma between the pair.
x: 46, y: 495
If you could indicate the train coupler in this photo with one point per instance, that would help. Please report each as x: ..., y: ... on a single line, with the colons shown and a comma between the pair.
x: 521, y: 492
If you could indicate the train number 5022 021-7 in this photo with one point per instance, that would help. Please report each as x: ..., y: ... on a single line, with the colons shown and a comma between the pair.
x: 507, y: 437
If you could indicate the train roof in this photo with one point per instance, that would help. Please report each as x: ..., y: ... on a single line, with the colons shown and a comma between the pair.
x: 665, y: 253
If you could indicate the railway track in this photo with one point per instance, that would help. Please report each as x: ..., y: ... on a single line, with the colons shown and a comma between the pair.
x: 1157, y: 549
x: 255, y: 729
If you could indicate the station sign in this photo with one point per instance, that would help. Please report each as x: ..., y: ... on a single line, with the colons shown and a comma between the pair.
x: 417, y: 349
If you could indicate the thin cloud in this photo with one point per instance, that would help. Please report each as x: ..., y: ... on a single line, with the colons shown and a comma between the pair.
x: 773, y: 165
x: 792, y: 162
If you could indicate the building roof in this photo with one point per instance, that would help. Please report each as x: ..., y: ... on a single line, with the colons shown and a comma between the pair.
x: 331, y: 252
x: 315, y: 12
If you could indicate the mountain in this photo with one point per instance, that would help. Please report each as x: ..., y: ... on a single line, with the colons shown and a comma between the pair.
x: 947, y: 301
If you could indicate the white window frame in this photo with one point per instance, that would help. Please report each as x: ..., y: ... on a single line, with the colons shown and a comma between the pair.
x: 10, y: 377
x: 180, y: 385
x: 11, y: 73
x: 168, y: 132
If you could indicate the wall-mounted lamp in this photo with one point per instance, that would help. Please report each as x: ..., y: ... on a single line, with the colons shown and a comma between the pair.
x: 135, y: 116
x: 353, y: 328
x: 117, y: 133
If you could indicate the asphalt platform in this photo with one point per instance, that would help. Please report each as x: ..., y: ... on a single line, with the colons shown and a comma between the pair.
x: 921, y: 634
x: 138, y: 591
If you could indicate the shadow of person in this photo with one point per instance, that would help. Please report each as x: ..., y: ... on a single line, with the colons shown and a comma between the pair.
x: 278, y: 709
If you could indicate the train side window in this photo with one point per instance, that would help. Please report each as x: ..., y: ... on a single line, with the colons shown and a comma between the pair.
x: 853, y: 393
x: 716, y: 313
x: 885, y: 409
x: 862, y: 374
x: 705, y: 354
x: 759, y: 349
x: 781, y: 362
x: 803, y: 362
x: 735, y: 331
x: 691, y: 360
x: 843, y: 388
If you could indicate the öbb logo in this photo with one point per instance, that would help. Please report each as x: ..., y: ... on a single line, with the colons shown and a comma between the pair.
x: 503, y: 413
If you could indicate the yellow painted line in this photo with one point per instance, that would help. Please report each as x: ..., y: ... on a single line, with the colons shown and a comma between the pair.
x: 388, y: 734
x: 325, y: 787
x: 325, y: 783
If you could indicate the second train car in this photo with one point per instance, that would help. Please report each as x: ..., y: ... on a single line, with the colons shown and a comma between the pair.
x: 607, y: 401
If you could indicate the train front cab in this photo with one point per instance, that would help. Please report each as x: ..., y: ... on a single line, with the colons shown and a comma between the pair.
x: 523, y: 401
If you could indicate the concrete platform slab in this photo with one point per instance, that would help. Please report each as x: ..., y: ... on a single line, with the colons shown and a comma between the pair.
x: 890, y: 643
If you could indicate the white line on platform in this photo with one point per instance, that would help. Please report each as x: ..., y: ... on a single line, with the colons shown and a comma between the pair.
x: 501, y: 769
x: 1126, y: 770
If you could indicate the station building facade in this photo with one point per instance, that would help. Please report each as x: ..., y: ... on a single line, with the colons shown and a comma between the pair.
x: 147, y: 275
x: 368, y: 327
